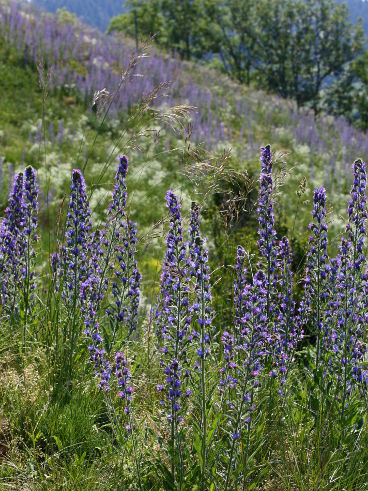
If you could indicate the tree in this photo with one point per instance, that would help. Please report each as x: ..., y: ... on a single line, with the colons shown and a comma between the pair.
x: 234, y: 31
x: 281, y: 46
x: 143, y: 18
x: 182, y: 19
x: 304, y: 45
x: 348, y: 96
x: 332, y: 43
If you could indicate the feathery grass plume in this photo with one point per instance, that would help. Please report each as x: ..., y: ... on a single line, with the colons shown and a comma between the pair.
x: 172, y: 317
x: 202, y: 318
x: 311, y: 309
x: 11, y: 243
x: 244, y: 354
x: 349, y: 345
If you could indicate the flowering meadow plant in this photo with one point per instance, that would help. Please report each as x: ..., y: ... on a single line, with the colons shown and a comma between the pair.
x: 209, y: 403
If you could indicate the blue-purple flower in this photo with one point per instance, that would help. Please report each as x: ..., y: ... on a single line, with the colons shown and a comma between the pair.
x: 172, y: 316
x: 316, y: 277
x: 74, y: 256
x: 11, y: 245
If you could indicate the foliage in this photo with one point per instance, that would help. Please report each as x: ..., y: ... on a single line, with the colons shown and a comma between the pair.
x: 292, y: 48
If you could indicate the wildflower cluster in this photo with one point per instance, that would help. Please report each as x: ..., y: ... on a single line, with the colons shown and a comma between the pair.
x: 112, y: 285
x: 334, y: 302
x: 97, y: 290
x: 18, y: 237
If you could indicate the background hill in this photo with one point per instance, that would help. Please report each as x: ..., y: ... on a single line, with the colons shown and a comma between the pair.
x: 358, y: 9
x: 94, y: 12
x: 226, y: 115
x: 99, y: 14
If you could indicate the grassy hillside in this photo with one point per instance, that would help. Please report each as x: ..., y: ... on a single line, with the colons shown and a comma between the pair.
x: 199, y: 136
x: 226, y: 115
x: 56, y: 129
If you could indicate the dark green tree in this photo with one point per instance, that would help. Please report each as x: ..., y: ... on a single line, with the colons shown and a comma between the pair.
x: 182, y: 25
x: 142, y: 19
x: 304, y: 46
x: 233, y: 31
x: 348, y: 95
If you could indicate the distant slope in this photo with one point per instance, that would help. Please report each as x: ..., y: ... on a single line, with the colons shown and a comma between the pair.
x: 227, y: 115
x: 358, y: 9
x: 99, y: 12
x: 93, y: 12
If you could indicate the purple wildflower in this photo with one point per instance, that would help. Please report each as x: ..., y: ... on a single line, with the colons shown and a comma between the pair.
x: 172, y: 314
x: 316, y: 277
x: 202, y: 317
x: 287, y: 334
x: 90, y: 301
x: 111, y: 251
x: 11, y: 244
x: 74, y: 255
x: 28, y: 251
x: 244, y: 352
x: 123, y: 377
x: 347, y: 343
x: 119, y: 243
x: 200, y: 272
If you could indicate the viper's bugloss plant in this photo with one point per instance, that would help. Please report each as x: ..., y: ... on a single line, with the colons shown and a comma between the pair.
x: 275, y: 259
x: 11, y: 243
x: 90, y: 297
x: 70, y: 266
x: 288, y: 333
x: 311, y: 309
x: 18, y: 237
x: 267, y: 241
x: 112, y: 266
x: 74, y: 258
x: 123, y: 376
x: 28, y: 249
x: 172, y: 317
x: 202, y: 316
x: 349, y: 341
x: 244, y: 355
x: 118, y: 265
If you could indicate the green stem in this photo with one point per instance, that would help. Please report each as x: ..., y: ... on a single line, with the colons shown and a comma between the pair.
x: 203, y: 387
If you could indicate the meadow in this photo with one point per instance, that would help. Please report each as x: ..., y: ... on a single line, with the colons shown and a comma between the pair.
x: 181, y: 306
